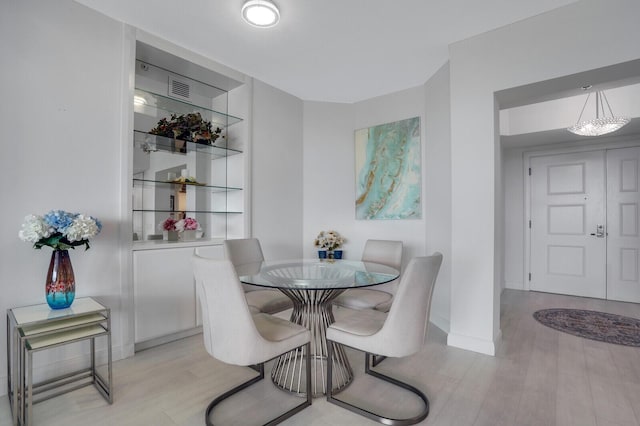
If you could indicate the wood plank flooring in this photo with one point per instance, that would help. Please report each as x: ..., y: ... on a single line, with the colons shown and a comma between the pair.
x: 539, y: 377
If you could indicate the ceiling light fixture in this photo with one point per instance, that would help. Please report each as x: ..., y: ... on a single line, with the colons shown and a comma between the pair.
x: 261, y: 13
x: 601, y: 125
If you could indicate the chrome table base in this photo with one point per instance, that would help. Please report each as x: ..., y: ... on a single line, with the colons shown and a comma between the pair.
x: 312, y: 309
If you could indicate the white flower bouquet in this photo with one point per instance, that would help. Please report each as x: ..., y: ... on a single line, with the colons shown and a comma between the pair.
x: 59, y: 230
x: 329, y: 240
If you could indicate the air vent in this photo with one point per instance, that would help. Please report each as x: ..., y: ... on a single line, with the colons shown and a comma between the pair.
x: 179, y: 89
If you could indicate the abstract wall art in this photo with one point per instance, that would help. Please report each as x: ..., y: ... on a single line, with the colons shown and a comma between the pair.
x: 388, y: 171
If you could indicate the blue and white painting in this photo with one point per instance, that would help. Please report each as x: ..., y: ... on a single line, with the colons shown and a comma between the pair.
x: 388, y: 172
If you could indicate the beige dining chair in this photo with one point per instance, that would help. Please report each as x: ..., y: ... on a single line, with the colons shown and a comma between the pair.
x: 380, y: 297
x: 399, y: 333
x: 233, y: 335
x: 246, y: 252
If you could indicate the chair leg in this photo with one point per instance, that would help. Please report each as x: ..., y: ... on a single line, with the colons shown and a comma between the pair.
x: 377, y: 359
x: 371, y: 415
x: 307, y: 402
x: 260, y: 369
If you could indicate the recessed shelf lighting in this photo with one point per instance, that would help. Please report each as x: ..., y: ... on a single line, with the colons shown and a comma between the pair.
x: 139, y: 100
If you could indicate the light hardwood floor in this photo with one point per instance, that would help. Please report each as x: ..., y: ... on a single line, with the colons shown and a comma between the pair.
x: 539, y: 377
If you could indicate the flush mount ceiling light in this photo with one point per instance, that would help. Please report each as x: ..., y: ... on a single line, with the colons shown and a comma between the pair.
x: 261, y: 13
x: 602, y: 124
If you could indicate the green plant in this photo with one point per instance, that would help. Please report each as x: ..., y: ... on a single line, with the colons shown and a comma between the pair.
x: 188, y: 127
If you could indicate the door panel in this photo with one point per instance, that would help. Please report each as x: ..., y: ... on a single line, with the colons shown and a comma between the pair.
x: 623, y: 241
x: 567, y: 206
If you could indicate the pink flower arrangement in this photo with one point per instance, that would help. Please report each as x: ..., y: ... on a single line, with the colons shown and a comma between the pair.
x: 187, y: 224
x: 169, y: 224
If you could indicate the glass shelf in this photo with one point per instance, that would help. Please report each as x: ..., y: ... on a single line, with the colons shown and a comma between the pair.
x: 159, y: 106
x: 158, y: 244
x: 185, y: 211
x: 212, y: 188
x: 153, y: 143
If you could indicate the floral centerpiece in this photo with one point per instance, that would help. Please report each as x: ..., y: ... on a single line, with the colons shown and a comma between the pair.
x: 186, y: 227
x: 187, y: 224
x: 169, y: 224
x: 330, y: 241
x: 61, y: 231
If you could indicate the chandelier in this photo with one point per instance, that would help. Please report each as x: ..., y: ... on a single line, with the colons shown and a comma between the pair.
x: 602, y: 124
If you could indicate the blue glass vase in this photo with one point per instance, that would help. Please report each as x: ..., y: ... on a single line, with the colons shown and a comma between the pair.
x: 337, y: 254
x: 61, y: 283
x: 322, y: 254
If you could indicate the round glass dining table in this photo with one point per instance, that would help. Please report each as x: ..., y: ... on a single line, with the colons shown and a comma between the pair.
x: 312, y: 285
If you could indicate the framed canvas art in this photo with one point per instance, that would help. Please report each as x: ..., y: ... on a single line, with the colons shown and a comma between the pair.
x: 388, y: 171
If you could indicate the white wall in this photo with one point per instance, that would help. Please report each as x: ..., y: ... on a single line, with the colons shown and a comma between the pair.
x: 61, y: 150
x: 63, y: 108
x: 329, y: 172
x: 328, y: 180
x: 514, y: 217
x: 384, y: 109
x: 543, y: 47
x: 329, y: 176
x: 277, y: 171
x: 437, y: 193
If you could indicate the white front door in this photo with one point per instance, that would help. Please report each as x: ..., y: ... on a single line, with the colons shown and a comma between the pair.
x: 568, y: 227
x: 623, y: 240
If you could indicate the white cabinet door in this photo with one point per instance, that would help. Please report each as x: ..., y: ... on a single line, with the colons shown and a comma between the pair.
x: 164, y: 292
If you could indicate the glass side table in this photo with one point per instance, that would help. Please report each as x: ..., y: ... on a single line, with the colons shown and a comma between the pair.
x: 37, y: 327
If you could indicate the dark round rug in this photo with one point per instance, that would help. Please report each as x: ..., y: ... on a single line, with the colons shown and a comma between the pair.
x: 593, y: 325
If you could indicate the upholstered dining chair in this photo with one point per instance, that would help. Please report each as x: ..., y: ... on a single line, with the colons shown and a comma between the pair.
x: 233, y: 335
x: 245, y: 252
x: 399, y: 333
x: 379, y: 297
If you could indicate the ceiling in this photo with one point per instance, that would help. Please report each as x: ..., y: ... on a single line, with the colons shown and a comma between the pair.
x: 331, y: 50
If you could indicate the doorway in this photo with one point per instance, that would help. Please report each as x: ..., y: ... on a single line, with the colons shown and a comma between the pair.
x: 584, y: 223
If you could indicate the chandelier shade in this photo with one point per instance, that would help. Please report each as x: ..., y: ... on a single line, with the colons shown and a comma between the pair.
x: 602, y: 124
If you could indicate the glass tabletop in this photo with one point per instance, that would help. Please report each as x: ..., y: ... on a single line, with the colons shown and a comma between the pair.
x: 315, y: 274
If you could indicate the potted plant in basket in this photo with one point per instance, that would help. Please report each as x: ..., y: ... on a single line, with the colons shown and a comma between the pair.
x: 329, y: 244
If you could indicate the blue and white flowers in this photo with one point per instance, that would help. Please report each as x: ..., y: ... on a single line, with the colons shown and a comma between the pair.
x: 59, y: 230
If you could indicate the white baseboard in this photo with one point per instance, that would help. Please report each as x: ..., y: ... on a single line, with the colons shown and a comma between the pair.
x: 474, y: 344
x: 140, y: 346
x: 514, y: 285
x: 440, y: 322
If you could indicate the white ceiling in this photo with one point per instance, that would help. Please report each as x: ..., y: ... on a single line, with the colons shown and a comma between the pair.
x: 329, y: 50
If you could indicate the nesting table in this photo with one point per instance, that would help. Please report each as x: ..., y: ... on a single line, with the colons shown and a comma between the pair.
x: 36, y: 328
x: 312, y: 285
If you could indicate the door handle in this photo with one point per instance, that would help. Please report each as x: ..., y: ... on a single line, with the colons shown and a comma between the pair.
x: 599, y: 231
